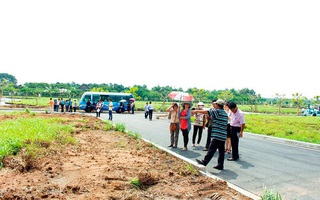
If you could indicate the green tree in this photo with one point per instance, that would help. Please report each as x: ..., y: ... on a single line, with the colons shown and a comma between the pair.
x: 298, y: 100
x: 280, y: 100
x: 98, y: 89
x: 316, y: 100
x: 253, y: 100
x: 199, y: 94
x: 3, y: 83
x: 226, y: 95
x: 142, y: 92
x: 9, y: 78
x: 11, y: 89
x: 133, y: 91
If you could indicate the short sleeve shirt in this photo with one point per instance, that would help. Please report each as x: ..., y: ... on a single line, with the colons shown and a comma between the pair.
x: 219, y: 124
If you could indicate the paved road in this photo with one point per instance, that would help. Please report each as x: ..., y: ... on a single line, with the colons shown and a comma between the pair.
x: 274, y: 164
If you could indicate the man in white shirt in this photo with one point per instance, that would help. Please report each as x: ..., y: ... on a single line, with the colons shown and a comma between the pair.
x: 150, y: 110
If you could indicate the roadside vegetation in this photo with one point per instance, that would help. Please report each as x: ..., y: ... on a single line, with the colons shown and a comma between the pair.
x: 305, y: 129
x: 32, y: 134
x: 270, y: 195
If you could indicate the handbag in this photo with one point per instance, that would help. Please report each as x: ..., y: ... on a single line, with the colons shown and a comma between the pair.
x: 173, y: 127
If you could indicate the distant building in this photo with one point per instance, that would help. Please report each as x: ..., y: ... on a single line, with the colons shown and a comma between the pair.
x: 84, y: 87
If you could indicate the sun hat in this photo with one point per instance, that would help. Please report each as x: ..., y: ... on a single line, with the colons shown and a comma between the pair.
x: 219, y: 102
x: 200, y: 104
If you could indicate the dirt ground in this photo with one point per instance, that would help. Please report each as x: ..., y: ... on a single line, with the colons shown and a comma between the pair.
x: 105, y: 165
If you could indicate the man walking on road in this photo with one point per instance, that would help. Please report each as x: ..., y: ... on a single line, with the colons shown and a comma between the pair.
x: 219, y: 119
x: 237, y: 124
x: 150, y: 110
x: 110, y: 109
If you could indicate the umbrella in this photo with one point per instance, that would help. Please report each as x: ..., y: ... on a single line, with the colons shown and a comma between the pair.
x: 180, y: 96
x: 132, y: 99
x: 123, y: 100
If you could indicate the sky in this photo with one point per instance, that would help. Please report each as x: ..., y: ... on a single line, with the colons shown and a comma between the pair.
x: 272, y: 47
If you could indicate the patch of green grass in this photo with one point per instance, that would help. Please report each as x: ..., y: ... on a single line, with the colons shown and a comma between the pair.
x: 188, y: 170
x: 298, y: 128
x: 134, y: 135
x: 32, y: 133
x: 191, y: 169
x: 108, y: 126
x: 270, y: 195
x: 135, y: 183
x: 120, y: 127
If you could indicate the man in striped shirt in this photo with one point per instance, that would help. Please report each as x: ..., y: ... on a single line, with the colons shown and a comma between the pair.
x: 219, y: 119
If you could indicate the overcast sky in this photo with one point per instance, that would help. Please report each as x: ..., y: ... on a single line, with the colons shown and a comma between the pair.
x: 269, y: 46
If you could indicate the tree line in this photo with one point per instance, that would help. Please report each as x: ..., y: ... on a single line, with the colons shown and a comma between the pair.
x: 246, y: 96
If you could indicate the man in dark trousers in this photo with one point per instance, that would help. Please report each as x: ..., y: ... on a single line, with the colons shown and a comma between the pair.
x: 219, y: 119
x: 150, y: 110
x: 237, y: 125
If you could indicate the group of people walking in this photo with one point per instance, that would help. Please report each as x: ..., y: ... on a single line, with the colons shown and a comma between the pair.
x: 225, y: 124
x: 148, y: 110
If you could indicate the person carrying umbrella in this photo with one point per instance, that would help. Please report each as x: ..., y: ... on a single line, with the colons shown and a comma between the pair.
x: 185, y: 123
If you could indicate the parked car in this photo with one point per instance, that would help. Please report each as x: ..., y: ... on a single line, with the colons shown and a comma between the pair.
x: 311, y: 112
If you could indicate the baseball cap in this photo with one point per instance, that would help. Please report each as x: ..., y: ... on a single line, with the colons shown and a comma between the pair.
x: 219, y: 102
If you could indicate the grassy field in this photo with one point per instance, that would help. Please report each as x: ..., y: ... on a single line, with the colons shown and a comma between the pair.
x: 16, y: 133
x: 298, y: 128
